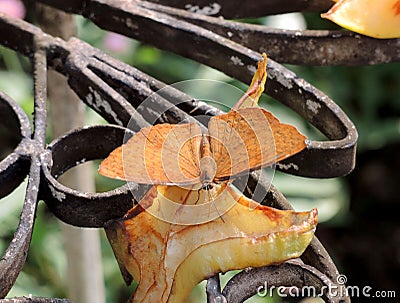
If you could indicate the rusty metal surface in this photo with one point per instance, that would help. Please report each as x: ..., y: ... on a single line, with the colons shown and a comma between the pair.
x: 15, y: 134
x: 15, y: 255
x: 224, y: 8
x: 235, y: 9
x: 115, y: 90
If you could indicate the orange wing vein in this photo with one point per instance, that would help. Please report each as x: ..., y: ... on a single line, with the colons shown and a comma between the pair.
x: 248, y: 139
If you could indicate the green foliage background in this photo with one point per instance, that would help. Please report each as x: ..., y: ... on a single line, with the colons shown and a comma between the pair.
x: 369, y: 95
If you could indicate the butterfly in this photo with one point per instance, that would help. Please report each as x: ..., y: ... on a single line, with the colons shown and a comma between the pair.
x: 234, y: 144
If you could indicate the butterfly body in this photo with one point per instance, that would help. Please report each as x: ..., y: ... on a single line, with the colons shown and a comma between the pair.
x: 181, y: 154
x: 207, y: 163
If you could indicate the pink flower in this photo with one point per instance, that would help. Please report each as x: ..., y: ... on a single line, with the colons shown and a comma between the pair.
x: 116, y: 43
x: 13, y: 8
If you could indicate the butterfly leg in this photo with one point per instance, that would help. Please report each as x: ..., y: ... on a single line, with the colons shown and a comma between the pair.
x: 208, y: 188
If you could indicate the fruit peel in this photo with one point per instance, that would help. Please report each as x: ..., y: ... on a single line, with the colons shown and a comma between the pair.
x: 377, y: 19
x: 168, y: 260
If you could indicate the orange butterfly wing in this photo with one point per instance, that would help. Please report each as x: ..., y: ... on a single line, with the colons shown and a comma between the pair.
x: 248, y: 139
x: 165, y: 154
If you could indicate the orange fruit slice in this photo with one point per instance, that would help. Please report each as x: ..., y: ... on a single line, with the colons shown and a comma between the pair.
x: 374, y: 18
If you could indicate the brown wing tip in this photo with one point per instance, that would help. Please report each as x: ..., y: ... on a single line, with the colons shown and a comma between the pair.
x: 105, y: 171
x: 111, y: 166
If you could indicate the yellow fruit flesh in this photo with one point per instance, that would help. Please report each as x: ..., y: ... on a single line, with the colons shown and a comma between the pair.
x: 374, y: 18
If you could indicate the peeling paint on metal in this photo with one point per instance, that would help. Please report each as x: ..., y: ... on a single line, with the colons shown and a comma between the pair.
x: 252, y: 68
x: 313, y: 106
x: 288, y: 166
x: 236, y: 60
x: 94, y: 99
x: 286, y: 79
x: 83, y: 160
x: 56, y: 194
x: 212, y: 9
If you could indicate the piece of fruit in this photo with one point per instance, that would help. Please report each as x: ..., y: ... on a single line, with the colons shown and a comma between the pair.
x: 256, y: 88
x: 374, y: 18
x: 233, y: 232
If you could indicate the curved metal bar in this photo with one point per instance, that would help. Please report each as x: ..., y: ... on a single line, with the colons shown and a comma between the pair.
x: 15, y: 134
x: 213, y: 290
x: 13, y: 31
x: 102, y: 98
x: 129, y: 83
x: 75, y: 207
x: 305, y: 47
x: 226, y: 8
x: 288, y: 274
x: 13, y: 170
x: 124, y: 75
x: 15, y: 255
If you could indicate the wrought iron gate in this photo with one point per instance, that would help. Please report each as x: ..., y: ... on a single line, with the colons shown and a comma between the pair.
x: 114, y: 89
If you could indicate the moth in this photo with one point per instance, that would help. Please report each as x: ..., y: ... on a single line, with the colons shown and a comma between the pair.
x: 234, y: 144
